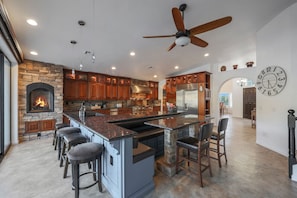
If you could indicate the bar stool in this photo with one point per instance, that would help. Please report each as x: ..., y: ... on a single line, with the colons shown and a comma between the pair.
x: 218, y: 140
x: 85, y: 153
x: 57, y: 127
x: 60, y: 135
x: 69, y: 141
x: 199, y: 146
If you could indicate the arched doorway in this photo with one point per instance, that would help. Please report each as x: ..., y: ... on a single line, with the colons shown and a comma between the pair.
x: 237, y: 97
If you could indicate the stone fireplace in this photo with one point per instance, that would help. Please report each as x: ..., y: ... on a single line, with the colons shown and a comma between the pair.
x: 40, y: 98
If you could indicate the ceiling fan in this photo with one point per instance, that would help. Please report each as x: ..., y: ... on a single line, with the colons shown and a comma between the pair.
x: 184, y: 36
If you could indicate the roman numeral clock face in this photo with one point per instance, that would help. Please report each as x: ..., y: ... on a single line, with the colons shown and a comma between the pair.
x: 271, y: 80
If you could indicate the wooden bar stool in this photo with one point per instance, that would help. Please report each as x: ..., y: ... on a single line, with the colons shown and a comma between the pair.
x: 86, y: 153
x: 69, y: 141
x: 57, y: 127
x: 199, y: 146
x: 218, y: 140
x: 60, y: 135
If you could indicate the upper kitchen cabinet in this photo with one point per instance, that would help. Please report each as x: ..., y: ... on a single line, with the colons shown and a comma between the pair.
x: 154, y: 87
x: 111, y: 88
x: 171, y: 90
x: 75, y: 85
x: 124, y: 88
x: 202, y: 79
x: 96, y: 86
x: 204, y: 93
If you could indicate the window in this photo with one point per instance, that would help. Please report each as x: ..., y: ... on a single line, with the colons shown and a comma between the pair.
x: 226, y: 99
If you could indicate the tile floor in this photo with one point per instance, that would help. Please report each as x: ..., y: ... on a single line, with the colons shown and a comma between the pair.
x: 31, y: 170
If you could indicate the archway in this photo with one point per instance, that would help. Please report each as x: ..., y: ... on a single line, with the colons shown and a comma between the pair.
x: 237, y: 97
x: 220, y: 78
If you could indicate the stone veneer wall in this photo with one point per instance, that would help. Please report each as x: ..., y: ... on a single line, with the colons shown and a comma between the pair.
x: 32, y: 72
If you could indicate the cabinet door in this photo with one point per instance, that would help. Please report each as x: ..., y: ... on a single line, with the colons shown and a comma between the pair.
x: 111, y: 88
x: 111, y: 92
x: 82, y: 90
x: 93, y: 91
x: 101, y: 91
x: 70, y: 89
x: 123, y: 92
x: 47, y: 125
x: 32, y: 126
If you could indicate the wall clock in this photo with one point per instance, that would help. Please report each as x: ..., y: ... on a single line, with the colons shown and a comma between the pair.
x: 271, y: 80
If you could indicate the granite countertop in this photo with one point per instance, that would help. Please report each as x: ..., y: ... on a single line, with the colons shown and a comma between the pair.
x: 104, y: 126
x: 177, y: 121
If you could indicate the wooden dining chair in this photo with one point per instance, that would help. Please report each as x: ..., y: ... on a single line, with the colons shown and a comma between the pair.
x: 218, y: 140
x: 200, y: 147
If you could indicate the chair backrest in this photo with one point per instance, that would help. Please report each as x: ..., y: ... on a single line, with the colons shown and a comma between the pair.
x: 222, y: 126
x: 205, y: 131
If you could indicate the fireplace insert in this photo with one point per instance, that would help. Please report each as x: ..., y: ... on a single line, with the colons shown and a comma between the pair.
x: 40, y: 98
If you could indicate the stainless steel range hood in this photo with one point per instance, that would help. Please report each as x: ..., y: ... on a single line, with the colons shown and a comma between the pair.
x: 140, y: 86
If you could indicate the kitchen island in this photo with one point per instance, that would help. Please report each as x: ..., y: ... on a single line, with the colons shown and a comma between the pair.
x: 126, y: 171
x: 175, y: 127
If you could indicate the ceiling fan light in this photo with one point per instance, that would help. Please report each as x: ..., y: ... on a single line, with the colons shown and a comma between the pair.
x: 182, y: 41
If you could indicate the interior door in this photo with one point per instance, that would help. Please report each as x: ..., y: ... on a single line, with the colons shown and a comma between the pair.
x: 249, y: 101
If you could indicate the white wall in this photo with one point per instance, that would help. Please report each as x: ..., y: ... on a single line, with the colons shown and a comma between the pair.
x: 277, y: 45
x: 219, y: 78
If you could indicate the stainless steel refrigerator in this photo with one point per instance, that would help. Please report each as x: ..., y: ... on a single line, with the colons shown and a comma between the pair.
x: 187, y: 98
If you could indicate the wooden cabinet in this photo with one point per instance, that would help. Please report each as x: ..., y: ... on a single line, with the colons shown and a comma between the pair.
x: 203, y: 81
x: 171, y: 90
x: 154, y: 86
x: 111, y: 88
x: 124, y: 88
x: 75, y: 85
x: 96, y: 86
x: 204, y: 93
x: 39, y: 125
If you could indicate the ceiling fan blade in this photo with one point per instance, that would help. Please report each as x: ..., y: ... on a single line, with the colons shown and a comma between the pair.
x: 210, y: 25
x: 178, y: 20
x: 171, y: 46
x: 160, y: 36
x: 197, y: 41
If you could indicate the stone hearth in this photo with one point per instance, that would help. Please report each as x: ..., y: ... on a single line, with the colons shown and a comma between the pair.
x: 39, y: 72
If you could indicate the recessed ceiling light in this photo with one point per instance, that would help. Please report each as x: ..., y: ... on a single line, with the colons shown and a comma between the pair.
x: 155, y: 76
x: 176, y: 67
x: 206, y: 54
x: 113, y: 68
x: 132, y: 53
x: 34, y: 53
x: 32, y: 22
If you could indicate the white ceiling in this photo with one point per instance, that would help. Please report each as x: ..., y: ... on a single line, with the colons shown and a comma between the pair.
x: 114, y: 28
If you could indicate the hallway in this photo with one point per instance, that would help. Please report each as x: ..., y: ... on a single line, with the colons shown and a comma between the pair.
x: 31, y: 170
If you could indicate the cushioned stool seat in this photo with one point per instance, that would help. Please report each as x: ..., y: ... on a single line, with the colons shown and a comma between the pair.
x: 60, y: 135
x: 69, y: 141
x: 85, y: 153
x: 57, y: 127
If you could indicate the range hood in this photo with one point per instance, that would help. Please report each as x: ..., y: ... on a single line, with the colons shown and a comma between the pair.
x: 140, y: 87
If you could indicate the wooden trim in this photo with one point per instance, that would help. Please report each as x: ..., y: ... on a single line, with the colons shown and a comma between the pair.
x: 8, y: 34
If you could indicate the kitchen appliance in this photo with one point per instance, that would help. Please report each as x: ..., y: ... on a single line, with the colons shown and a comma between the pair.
x: 187, y: 98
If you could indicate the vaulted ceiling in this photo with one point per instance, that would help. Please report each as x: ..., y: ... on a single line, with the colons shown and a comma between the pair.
x: 115, y: 28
